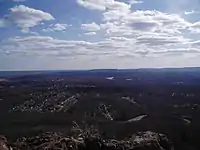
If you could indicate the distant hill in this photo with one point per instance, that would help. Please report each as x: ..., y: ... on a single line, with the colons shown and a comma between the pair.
x: 122, y: 77
x: 19, y: 73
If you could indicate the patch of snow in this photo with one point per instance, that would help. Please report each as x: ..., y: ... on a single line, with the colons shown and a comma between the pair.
x: 3, y: 80
x: 129, y: 79
x: 137, y: 118
x: 146, y: 137
x: 110, y: 78
x: 187, y: 121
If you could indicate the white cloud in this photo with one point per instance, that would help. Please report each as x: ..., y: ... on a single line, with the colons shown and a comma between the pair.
x: 18, y: 0
x: 128, y: 29
x: 25, y: 17
x: 60, y: 27
x: 113, y: 46
x: 161, y: 40
x: 103, y: 5
x: 56, y: 27
x: 196, y: 25
x: 178, y: 51
x: 93, y: 4
x: 127, y: 33
x: 151, y: 37
x: 147, y: 20
x: 92, y: 27
x: 191, y: 12
x: 44, y: 45
x: 135, y: 2
x: 2, y: 23
x: 112, y: 52
x: 90, y: 33
x: 194, y: 28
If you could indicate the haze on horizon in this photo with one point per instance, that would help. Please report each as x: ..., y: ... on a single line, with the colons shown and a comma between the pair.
x: 94, y: 34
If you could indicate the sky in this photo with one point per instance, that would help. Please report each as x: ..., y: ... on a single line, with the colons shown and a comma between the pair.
x: 99, y: 34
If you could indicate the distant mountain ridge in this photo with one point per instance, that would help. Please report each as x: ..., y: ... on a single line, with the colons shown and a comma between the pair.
x: 9, y: 73
x: 96, y: 71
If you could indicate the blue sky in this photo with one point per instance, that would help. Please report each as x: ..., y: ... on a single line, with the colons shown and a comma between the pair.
x: 94, y: 34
